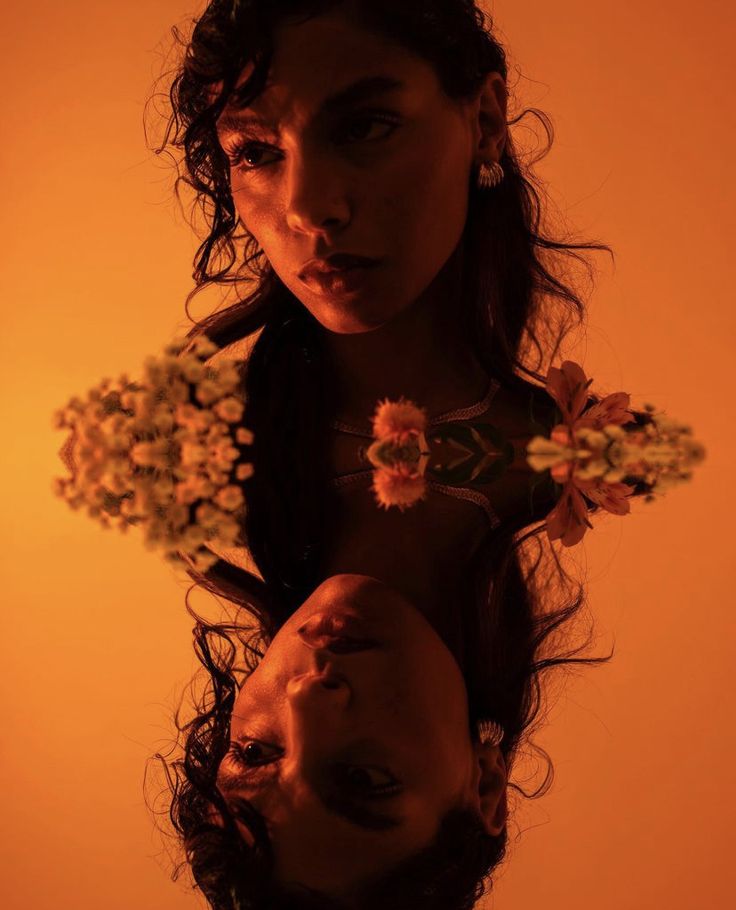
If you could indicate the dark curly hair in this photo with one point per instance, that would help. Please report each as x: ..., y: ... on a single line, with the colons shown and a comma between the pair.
x: 513, y: 272
x: 513, y: 607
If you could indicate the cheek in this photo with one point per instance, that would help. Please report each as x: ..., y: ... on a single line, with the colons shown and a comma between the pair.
x: 256, y: 214
x: 442, y: 692
x: 425, y: 210
x: 443, y: 195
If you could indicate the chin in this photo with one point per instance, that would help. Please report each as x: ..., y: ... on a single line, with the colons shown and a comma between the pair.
x: 349, y: 581
x: 355, y: 319
x: 351, y: 326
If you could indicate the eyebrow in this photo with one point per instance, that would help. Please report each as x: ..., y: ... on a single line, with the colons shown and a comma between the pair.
x: 229, y: 780
x: 362, y: 90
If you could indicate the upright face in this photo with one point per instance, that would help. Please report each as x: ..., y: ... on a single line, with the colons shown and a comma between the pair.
x: 356, y: 150
x: 315, y: 736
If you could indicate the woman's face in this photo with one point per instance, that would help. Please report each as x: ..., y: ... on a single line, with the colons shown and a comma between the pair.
x: 311, y: 730
x: 383, y: 174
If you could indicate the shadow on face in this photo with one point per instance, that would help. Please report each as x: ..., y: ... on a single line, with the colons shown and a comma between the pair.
x: 353, y: 147
x: 354, y: 758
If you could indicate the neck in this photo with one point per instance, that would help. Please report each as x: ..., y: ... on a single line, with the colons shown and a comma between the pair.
x: 424, y: 557
x: 423, y: 354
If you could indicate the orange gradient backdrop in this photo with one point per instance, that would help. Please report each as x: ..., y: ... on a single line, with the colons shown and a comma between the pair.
x: 95, y: 640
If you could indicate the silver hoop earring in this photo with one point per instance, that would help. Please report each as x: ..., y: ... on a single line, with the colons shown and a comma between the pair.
x: 490, y: 732
x: 489, y: 175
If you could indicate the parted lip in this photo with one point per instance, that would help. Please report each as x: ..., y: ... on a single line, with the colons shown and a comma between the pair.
x: 326, y: 673
x: 335, y: 263
x: 338, y: 634
x: 337, y: 644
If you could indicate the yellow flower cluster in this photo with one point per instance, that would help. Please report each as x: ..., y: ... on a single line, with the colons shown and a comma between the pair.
x: 661, y: 453
x: 162, y: 453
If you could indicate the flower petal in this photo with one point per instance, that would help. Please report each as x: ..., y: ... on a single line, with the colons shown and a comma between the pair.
x: 613, y: 409
x: 568, y: 521
x: 569, y: 388
x: 400, y: 486
x: 398, y: 420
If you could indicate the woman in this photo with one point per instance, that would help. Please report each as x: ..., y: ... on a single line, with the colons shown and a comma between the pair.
x: 446, y: 313
x: 362, y: 700
x: 348, y: 760
x: 460, y: 296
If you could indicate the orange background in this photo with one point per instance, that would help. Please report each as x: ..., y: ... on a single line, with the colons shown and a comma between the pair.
x: 96, y: 643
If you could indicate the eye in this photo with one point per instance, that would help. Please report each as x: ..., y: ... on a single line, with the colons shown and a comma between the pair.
x: 363, y: 120
x: 358, y: 780
x: 253, y: 753
x: 246, y: 148
x: 239, y: 151
x: 365, y: 781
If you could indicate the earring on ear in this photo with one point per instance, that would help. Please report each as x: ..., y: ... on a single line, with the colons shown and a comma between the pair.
x: 489, y: 175
x: 490, y: 732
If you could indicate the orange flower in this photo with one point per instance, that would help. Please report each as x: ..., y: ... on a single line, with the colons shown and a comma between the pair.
x: 568, y: 386
x: 568, y: 521
x: 562, y: 471
x: 613, y: 409
x: 613, y: 497
x: 398, y: 420
x: 401, y: 486
x: 562, y: 435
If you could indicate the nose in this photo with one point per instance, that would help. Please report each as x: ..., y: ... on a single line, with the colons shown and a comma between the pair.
x: 317, y: 713
x: 310, y: 191
x: 317, y: 690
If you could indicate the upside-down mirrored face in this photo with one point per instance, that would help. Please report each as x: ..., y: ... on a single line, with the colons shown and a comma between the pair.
x: 316, y: 735
x: 381, y: 171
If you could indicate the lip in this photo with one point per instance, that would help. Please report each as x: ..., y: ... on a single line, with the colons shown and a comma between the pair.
x: 339, y: 644
x: 339, y: 633
x: 338, y: 275
x: 328, y: 673
x: 343, y: 283
x: 337, y: 262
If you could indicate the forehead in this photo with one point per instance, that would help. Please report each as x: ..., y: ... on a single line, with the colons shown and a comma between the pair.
x: 361, y: 90
x: 332, y: 42
x: 326, y: 63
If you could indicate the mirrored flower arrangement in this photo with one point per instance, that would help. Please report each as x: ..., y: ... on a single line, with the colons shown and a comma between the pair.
x: 166, y: 453
x: 169, y: 453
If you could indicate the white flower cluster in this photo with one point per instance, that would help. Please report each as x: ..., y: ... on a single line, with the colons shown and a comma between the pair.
x: 661, y: 453
x: 163, y: 453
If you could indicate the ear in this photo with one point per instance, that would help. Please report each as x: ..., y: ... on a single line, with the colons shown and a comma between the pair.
x: 491, y: 782
x: 491, y: 116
